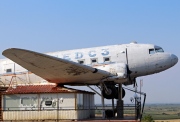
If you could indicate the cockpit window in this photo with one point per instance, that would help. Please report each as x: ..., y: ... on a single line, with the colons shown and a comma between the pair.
x: 151, y: 51
x: 156, y: 50
x: 159, y: 50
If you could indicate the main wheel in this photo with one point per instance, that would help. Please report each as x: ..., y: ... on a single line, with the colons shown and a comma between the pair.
x: 123, y: 93
x: 112, y: 92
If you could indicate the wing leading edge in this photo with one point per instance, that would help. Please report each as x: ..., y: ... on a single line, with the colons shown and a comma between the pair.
x: 55, y: 70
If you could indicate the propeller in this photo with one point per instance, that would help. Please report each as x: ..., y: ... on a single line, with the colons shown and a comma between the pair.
x: 128, y: 72
x: 135, y: 83
x: 127, y: 66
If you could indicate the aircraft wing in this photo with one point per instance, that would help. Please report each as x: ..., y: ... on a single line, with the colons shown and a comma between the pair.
x: 55, y: 70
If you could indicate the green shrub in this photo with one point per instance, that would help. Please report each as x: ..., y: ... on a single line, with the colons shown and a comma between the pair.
x: 147, y: 118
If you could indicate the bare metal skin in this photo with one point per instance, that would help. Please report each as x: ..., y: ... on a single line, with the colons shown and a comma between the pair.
x: 117, y: 63
x: 106, y: 66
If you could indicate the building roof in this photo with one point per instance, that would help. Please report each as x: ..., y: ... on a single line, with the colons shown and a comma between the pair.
x: 34, y: 89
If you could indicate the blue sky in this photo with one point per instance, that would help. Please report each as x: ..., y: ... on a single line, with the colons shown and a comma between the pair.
x: 46, y: 26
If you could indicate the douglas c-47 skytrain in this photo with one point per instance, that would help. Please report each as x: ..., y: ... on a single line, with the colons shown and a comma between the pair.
x: 106, y: 66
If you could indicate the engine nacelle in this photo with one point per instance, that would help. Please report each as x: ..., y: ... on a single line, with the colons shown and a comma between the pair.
x: 117, y: 69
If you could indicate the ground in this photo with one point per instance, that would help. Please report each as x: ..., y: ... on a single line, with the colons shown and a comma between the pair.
x: 163, y: 111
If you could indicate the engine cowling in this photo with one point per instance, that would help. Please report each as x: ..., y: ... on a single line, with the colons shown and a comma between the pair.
x: 117, y: 69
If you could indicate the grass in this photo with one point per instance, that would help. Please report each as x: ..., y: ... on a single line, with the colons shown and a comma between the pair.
x: 163, y: 111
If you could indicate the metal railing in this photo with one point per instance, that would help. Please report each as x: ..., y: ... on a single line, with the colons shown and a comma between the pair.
x: 66, y: 113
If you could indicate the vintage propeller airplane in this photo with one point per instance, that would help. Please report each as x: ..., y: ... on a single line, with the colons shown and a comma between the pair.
x: 107, y: 65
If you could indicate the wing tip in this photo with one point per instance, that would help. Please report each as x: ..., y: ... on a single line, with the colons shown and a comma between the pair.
x: 9, y: 50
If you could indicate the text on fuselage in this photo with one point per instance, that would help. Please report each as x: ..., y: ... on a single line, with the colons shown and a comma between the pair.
x: 80, y: 55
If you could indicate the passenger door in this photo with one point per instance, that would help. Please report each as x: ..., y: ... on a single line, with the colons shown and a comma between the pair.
x: 121, y: 55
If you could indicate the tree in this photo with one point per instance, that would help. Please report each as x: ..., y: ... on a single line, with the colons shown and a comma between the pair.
x: 147, y: 118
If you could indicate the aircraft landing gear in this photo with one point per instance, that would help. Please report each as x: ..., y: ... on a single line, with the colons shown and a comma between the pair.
x: 110, y: 92
x: 120, y: 94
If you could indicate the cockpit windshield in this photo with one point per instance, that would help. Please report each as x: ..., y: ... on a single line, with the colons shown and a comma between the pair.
x: 159, y: 50
x: 156, y: 50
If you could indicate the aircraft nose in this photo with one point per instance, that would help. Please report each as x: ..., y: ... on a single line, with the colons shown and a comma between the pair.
x: 174, y: 59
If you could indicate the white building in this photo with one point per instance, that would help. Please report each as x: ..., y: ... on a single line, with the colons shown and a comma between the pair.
x: 46, y: 102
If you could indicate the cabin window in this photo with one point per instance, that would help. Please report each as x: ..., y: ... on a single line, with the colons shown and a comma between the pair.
x: 8, y: 70
x: 94, y: 60
x: 159, y: 50
x: 106, y: 59
x: 81, y: 61
x: 48, y: 103
x: 151, y: 51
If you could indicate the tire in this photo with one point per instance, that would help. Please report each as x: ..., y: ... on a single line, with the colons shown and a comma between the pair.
x: 112, y: 94
x: 123, y: 93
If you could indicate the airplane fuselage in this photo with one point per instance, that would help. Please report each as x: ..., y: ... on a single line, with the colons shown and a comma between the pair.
x: 123, y: 62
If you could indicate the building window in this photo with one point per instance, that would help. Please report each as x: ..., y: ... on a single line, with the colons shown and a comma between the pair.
x: 80, y: 101
x: 81, y: 61
x: 48, y: 103
x: 94, y: 60
x: 8, y: 70
x: 106, y: 59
